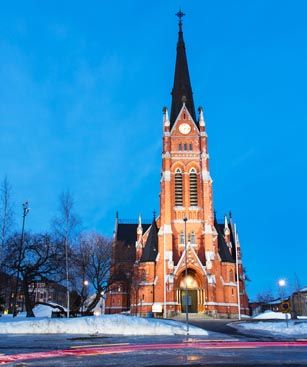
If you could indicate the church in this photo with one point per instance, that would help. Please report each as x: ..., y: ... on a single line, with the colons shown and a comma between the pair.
x: 185, y: 260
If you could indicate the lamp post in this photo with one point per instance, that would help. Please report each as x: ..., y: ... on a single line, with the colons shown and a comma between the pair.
x: 185, y: 219
x: 102, y: 302
x: 26, y: 209
x: 67, y: 278
x: 85, y: 284
x: 282, y: 284
x: 237, y: 272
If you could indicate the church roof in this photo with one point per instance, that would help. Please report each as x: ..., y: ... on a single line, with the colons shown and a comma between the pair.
x: 222, y: 245
x: 126, y: 232
x: 150, y: 250
x: 126, y: 238
x: 182, y: 89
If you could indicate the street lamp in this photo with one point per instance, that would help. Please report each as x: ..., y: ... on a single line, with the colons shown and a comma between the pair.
x: 282, y: 284
x: 25, y: 210
x: 85, y: 284
x: 185, y: 219
x: 102, y: 302
x: 237, y: 272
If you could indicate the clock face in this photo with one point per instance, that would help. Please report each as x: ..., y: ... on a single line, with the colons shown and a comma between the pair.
x: 184, y: 128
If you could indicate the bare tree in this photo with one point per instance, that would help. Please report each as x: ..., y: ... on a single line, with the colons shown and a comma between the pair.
x: 265, y: 296
x: 95, y: 259
x: 79, y: 279
x: 65, y: 227
x: 6, y: 214
x: 38, y: 260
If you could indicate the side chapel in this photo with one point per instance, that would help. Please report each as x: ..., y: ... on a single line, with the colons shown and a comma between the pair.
x: 148, y: 259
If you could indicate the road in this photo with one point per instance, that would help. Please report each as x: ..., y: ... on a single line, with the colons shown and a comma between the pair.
x: 223, y: 347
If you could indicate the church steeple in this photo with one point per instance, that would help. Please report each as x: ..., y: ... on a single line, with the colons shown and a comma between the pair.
x: 182, y: 90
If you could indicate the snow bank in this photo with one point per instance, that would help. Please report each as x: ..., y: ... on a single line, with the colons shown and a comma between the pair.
x: 44, y: 310
x: 278, y: 328
x: 271, y: 315
x: 105, y: 324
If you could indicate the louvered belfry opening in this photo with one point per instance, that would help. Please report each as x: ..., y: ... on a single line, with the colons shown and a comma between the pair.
x: 178, y: 189
x: 193, y: 189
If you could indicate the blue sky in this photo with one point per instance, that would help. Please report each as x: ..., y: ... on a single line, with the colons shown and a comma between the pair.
x: 82, y: 90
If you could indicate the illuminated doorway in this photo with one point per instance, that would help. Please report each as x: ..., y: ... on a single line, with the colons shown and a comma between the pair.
x: 189, y: 293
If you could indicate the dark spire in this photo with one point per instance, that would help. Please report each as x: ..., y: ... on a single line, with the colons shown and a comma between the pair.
x: 182, y: 90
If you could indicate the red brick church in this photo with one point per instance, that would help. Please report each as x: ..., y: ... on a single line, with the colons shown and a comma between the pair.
x: 149, y: 261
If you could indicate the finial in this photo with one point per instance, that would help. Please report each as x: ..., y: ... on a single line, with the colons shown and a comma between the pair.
x: 116, y: 215
x: 226, y: 221
x: 139, y: 228
x: 166, y: 121
x: 154, y: 215
x: 180, y: 15
x: 201, y: 116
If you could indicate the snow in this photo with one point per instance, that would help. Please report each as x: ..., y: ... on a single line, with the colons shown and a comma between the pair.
x: 271, y: 315
x: 104, y: 324
x: 275, y: 328
x: 44, y: 310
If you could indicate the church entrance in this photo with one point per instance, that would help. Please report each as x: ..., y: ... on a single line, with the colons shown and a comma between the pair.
x: 189, y: 290
x: 189, y: 297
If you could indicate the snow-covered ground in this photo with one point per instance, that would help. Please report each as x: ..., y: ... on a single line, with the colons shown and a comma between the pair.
x: 105, y: 324
x: 271, y: 315
x: 295, y: 329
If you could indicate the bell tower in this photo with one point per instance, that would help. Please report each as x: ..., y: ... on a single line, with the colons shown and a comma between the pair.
x: 186, y: 259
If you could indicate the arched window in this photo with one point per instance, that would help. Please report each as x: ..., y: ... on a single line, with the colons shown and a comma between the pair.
x: 185, y: 146
x: 193, y: 188
x: 180, y: 146
x: 181, y: 240
x: 193, y: 238
x: 178, y: 188
x: 191, y: 146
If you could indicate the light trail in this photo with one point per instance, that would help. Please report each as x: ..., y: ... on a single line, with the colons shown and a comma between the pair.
x: 117, y: 349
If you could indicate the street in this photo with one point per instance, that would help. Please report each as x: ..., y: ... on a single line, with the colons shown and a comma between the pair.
x: 224, y: 346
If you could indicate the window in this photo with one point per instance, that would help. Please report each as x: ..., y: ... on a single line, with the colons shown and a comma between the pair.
x: 191, y: 146
x: 178, y: 188
x: 180, y: 146
x: 193, y: 188
x: 185, y: 146
x: 181, y: 240
x: 193, y: 237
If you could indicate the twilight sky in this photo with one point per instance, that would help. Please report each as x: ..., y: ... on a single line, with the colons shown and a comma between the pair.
x: 82, y: 90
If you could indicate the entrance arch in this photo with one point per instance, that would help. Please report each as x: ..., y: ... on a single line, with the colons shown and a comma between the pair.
x: 189, y: 291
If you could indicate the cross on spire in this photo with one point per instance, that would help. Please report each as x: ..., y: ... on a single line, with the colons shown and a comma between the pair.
x: 180, y: 15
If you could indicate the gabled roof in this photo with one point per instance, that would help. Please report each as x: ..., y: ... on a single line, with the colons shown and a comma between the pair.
x: 124, y: 250
x: 126, y: 232
x: 182, y: 89
x: 150, y: 251
x: 222, y: 246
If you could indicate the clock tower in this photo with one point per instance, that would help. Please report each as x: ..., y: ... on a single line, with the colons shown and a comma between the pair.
x: 185, y: 258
